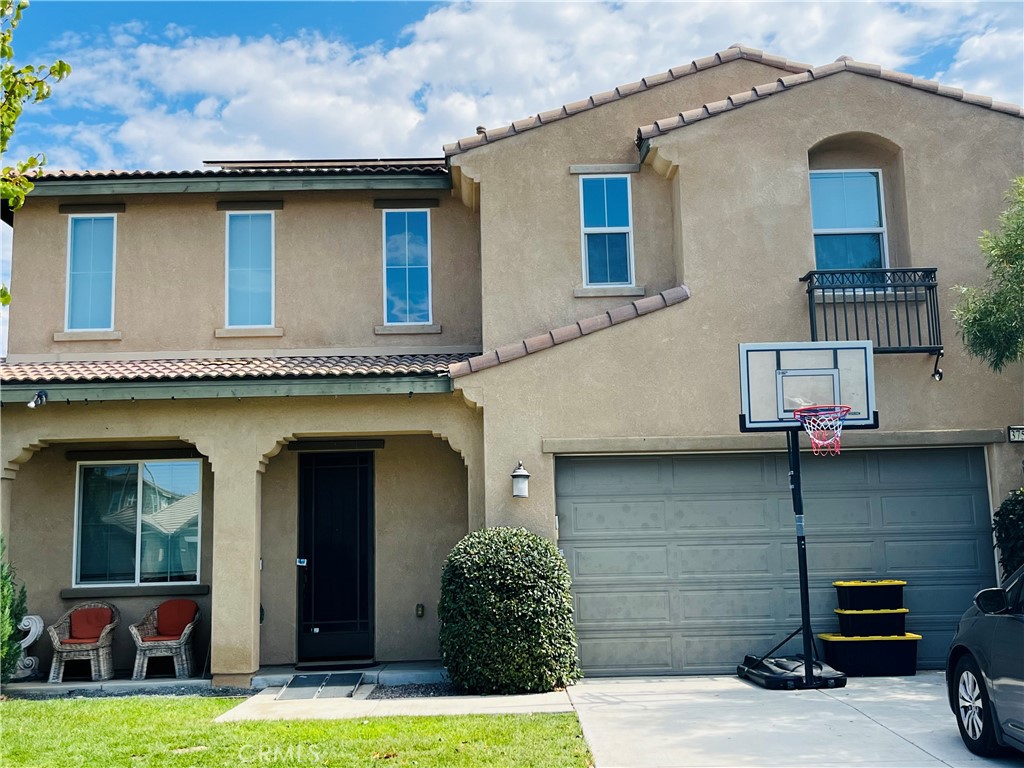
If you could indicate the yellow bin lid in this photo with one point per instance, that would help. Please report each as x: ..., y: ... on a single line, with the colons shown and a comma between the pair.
x: 868, y: 613
x: 835, y: 638
x: 875, y: 583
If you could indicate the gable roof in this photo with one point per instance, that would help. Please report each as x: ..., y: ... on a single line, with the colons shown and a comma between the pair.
x: 566, y: 333
x: 732, y: 53
x: 842, y: 64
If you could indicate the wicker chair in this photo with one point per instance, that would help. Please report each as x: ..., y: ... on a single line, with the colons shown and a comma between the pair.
x: 166, y: 630
x: 84, y: 632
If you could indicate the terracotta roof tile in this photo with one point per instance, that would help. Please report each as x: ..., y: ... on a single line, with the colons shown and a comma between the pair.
x: 586, y: 326
x: 205, y: 369
x: 227, y: 169
x: 622, y: 92
x: 843, y: 64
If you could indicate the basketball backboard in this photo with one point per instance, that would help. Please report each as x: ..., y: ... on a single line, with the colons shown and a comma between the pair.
x: 778, y: 377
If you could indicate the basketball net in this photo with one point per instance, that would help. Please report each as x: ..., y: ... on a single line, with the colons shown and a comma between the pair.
x: 824, y: 425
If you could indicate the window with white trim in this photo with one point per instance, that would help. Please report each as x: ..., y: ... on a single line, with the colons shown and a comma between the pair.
x: 406, y: 238
x: 90, y: 286
x: 138, y: 522
x: 250, y: 269
x: 607, y: 230
x: 848, y: 215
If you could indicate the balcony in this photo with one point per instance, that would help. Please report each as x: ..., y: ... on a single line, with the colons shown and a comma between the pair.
x: 897, y: 309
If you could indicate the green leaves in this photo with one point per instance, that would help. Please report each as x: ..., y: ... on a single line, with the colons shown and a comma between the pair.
x: 21, y: 85
x: 1009, y: 531
x: 991, y: 318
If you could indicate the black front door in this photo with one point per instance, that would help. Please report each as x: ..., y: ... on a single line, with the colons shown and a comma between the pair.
x: 335, y: 556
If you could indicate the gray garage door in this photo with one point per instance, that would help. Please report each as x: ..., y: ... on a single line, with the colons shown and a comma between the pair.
x: 684, y: 564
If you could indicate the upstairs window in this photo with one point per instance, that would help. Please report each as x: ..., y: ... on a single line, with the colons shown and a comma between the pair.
x: 90, y: 286
x: 138, y: 522
x: 250, y: 270
x: 848, y: 216
x: 407, y: 267
x: 605, y: 209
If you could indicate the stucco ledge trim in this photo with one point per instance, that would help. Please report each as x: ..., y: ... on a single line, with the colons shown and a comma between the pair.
x: 87, y: 336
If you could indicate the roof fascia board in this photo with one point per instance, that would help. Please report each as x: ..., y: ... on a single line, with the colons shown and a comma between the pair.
x: 58, y: 392
x: 62, y: 187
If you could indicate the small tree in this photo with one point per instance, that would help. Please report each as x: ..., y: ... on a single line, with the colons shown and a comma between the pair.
x: 506, y: 614
x: 991, y: 318
x: 20, y: 84
x: 13, y: 601
x: 1008, y: 524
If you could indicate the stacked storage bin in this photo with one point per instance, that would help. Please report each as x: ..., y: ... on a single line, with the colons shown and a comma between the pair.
x: 873, y: 640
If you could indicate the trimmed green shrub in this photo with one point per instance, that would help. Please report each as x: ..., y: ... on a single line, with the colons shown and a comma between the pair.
x: 506, y: 614
x: 1009, y: 530
x: 13, y: 601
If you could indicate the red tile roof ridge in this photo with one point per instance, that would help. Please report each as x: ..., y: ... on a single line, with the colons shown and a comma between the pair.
x: 732, y: 53
x: 842, y: 64
x: 580, y: 328
x: 220, y: 368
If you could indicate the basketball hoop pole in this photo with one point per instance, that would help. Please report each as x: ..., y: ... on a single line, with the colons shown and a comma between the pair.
x: 793, y: 446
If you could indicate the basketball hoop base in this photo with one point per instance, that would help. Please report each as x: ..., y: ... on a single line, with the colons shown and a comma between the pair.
x: 787, y: 673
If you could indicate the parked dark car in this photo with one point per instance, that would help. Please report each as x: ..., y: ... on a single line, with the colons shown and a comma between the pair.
x: 985, y: 670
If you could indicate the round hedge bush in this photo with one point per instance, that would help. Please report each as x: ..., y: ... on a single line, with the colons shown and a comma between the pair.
x: 506, y: 614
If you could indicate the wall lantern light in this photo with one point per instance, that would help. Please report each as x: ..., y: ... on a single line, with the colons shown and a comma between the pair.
x: 520, y: 482
x: 39, y: 398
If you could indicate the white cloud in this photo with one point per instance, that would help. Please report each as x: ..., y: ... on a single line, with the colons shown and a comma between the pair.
x: 178, y: 97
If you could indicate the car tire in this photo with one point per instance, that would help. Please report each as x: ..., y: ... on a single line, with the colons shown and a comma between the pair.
x: 973, y: 710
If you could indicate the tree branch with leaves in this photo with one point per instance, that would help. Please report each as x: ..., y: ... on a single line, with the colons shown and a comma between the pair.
x: 991, y: 318
x: 21, y: 84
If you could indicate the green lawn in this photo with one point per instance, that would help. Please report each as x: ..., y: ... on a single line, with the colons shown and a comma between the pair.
x: 159, y: 731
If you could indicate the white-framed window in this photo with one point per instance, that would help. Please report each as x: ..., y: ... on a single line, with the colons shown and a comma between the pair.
x: 138, y: 522
x: 606, y: 225
x: 407, y: 291
x: 249, y: 286
x: 848, y: 216
x: 90, y: 283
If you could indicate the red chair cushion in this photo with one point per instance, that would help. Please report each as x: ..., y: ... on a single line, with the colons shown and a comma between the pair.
x: 79, y: 640
x: 87, y: 623
x: 173, y: 616
x: 161, y: 638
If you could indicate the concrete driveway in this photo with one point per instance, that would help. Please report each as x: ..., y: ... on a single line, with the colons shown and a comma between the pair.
x: 897, y: 722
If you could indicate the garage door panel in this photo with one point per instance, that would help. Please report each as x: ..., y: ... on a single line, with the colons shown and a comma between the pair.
x: 725, y: 514
x: 604, y: 608
x: 622, y: 561
x: 616, y: 515
x: 935, y: 510
x: 724, y: 604
x: 694, y: 474
x: 691, y: 564
x: 909, y: 556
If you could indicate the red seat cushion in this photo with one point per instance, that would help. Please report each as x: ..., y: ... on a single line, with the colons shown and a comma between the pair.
x: 173, y: 616
x: 161, y: 638
x: 87, y: 623
x: 79, y: 640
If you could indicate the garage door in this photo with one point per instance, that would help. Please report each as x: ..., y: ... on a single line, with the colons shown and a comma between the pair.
x: 684, y: 564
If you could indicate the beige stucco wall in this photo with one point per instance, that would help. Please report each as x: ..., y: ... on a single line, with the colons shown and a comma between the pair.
x: 531, y: 252
x: 170, y: 276
x: 41, y: 548
x: 420, y: 512
x: 742, y: 214
x: 241, y: 438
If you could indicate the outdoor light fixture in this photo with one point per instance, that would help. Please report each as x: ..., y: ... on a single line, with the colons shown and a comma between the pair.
x: 520, y: 482
x: 39, y: 398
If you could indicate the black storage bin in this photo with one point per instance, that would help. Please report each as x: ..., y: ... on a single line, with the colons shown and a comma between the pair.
x: 872, y: 656
x: 869, y: 595
x: 884, y: 622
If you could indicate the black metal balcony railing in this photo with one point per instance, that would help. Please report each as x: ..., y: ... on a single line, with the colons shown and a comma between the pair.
x: 897, y: 309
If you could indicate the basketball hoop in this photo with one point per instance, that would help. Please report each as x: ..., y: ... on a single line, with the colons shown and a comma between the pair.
x: 824, y: 425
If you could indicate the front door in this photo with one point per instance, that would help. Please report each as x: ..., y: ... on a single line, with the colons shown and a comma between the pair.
x: 335, y: 556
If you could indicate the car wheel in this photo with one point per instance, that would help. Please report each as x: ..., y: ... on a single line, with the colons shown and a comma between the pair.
x: 973, y: 710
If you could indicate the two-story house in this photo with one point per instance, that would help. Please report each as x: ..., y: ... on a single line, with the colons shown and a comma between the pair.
x: 288, y: 388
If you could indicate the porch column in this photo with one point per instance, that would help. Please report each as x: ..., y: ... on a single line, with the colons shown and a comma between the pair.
x: 235, y: 584
x: 6, y: 496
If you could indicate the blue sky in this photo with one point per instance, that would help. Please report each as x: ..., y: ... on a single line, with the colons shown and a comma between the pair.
x: 160, y: 85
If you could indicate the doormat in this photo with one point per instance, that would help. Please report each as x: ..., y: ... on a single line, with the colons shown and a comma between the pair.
x: 332, y: 666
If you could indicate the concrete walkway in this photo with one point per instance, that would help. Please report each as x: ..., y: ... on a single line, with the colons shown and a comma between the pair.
x: 706, y: 722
